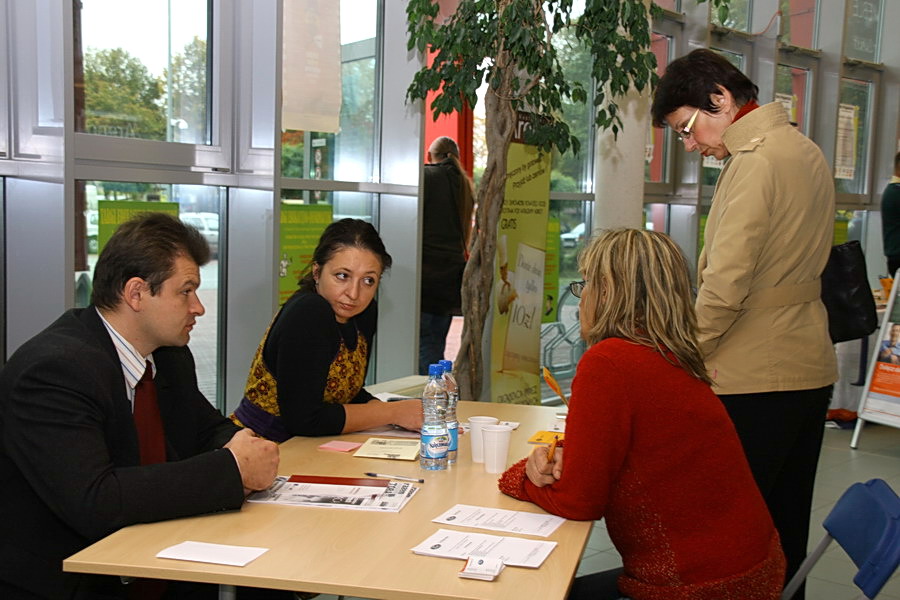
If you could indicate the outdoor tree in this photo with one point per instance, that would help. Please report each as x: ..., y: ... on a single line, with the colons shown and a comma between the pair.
x: 121, y: 97
x: 188, y: 93
x: 509, y: 44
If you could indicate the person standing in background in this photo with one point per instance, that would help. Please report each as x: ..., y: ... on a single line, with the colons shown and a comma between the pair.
x: 449, y: 200
x: 890, y: 219
x: 762, y: 327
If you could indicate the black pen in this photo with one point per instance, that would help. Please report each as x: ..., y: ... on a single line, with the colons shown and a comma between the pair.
x: 398, y: 477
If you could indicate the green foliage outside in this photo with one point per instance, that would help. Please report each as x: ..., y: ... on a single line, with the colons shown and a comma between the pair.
x: 189, y: 92
x: 121, y: 97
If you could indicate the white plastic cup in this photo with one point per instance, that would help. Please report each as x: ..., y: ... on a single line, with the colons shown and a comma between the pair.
x: 496, y: 447
x: 475, y: 425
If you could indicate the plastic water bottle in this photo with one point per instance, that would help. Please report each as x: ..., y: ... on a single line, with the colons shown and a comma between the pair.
x: 435, y: 439
x: 450, y: 418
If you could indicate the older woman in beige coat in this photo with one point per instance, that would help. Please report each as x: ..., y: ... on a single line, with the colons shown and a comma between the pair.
x: 762, y: 325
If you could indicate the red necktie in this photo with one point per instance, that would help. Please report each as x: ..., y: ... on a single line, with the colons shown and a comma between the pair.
x: 151, y: 437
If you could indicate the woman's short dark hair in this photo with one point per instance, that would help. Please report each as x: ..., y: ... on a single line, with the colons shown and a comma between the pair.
x: 346, y: 233
x: 691, y: 79
x: 145, y: 246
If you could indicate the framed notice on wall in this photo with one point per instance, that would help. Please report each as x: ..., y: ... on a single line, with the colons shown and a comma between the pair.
x: 880, y: 401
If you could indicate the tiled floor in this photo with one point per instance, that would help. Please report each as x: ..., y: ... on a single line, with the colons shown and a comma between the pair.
x: 840, y: 466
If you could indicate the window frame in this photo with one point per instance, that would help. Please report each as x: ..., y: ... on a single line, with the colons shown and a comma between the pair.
x: 800, y: 58
x: 215, y: 157
x: 872, y: 74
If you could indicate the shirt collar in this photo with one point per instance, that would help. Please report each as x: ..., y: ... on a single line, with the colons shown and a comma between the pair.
x: 133, y: 364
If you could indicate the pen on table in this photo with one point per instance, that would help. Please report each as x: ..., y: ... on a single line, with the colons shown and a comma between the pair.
x: 398, y: 477
x: 552, y: 448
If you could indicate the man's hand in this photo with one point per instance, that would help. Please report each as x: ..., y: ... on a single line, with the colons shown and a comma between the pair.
x: 541, y: 472
x: 257, y: 459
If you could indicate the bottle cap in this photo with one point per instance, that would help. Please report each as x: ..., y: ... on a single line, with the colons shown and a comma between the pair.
x: 447, y: 364
x: 435, y: 370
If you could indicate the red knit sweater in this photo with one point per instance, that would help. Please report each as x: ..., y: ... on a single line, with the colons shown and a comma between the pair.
x: 652, y: 450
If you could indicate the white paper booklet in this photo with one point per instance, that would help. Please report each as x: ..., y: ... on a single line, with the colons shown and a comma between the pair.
x: 497, y: 519
x: 513, y: 551
x: 337, y: 492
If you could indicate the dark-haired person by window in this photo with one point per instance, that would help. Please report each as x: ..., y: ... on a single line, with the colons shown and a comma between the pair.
x: 308, y: 373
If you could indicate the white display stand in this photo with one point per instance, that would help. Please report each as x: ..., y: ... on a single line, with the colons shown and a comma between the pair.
x: 880, y: 400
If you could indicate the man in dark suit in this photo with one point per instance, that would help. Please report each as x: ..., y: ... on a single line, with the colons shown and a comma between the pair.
x: 75, y: 463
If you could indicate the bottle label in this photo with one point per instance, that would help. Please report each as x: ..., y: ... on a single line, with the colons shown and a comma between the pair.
x: 435, y: 446
x: 453, y: 430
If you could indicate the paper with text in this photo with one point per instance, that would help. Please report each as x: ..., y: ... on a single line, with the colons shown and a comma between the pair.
x: 513, y: 551
x: 498, y: 519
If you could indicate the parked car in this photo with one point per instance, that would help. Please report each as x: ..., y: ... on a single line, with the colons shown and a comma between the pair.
x: 207, y: 224
x: 91, y: 228
x: 573, y: 237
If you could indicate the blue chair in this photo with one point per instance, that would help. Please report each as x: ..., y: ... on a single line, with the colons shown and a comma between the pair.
x: 866, y: 524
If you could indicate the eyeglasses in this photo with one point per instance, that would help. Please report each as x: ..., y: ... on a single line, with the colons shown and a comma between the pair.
x: 686, y: 133
x: 576, y: 287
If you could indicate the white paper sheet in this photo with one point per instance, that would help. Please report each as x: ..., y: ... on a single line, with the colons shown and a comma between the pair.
x: 513, y: 551
x: 497, y: 519
x: 220, y: 554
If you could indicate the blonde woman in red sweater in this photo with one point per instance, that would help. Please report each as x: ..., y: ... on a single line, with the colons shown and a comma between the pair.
x: 649, y: 446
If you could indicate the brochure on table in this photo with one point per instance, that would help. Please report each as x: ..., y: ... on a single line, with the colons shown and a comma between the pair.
x: 498, y: 519
x: 512, y: 551
x: 880, y: 401
x: 337, y: 492
x: 392, y: 448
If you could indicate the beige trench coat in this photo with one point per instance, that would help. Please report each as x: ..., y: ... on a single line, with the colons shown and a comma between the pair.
x: 762, y: 326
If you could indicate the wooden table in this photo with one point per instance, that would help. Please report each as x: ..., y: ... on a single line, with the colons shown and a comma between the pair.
x: 354, y: 553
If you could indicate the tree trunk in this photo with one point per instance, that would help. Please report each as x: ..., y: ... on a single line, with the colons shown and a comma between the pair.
x: 478, y: 278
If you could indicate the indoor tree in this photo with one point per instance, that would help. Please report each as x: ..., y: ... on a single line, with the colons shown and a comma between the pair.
x: 509, y: 45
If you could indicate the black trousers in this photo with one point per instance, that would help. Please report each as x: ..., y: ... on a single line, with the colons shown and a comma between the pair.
x: 893, y: 263
x: 781, y: 433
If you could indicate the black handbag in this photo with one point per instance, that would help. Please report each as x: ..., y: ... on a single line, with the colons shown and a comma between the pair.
x: 846, y: 294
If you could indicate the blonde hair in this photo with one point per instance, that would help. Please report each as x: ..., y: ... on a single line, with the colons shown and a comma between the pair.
x: 642, y: 294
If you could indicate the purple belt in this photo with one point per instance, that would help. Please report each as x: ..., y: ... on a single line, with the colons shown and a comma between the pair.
x: 263, y: 423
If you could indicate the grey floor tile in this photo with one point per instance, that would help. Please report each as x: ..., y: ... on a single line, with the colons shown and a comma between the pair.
x: 598, y: 561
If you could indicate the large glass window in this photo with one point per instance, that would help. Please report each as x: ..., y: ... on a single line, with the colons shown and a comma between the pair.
x: 350, y: 154
x: 144, y: 70
x: 792, y: 85
x: 109, y: 203
x: 738, y: 15
x: 657, y: 148
x: 673, y: 5
x: 799, y: 22
x: 572, y: 172
x: 853, y: 127
x: 862, y: 31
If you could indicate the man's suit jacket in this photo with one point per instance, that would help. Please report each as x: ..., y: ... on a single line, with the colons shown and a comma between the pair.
x: 70, y: 469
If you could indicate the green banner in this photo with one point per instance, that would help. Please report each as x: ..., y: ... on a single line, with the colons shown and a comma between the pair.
x: 519, y: 289
x: 112, y: 213
x: 301, y: 227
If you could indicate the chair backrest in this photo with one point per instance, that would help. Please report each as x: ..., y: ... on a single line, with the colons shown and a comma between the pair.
x: 865, y: 521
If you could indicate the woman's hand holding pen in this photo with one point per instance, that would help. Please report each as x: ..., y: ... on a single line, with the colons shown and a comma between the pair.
x: 407, y: 413
x: 542, y: 467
